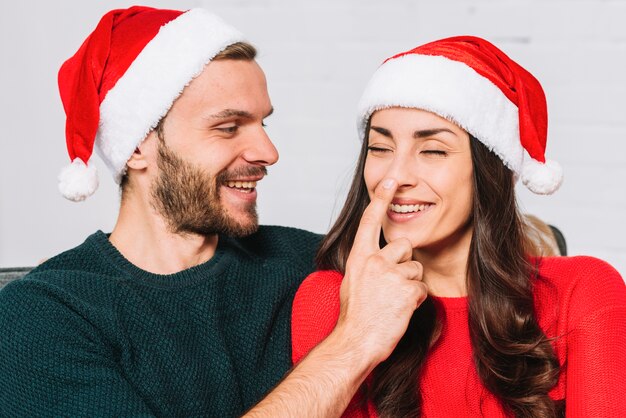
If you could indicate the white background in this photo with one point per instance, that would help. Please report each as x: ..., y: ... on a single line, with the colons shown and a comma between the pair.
x: 318, y: 56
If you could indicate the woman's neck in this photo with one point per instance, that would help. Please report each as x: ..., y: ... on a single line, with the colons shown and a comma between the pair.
x: 445, y: 265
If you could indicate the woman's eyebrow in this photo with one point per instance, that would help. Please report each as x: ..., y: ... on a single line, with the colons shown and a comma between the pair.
x: 382, y: 131
x: 425, y: 133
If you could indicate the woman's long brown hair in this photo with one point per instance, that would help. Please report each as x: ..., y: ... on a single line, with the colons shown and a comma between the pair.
x: 514, y: 359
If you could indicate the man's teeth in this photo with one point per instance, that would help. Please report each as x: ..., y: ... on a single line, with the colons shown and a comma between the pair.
x: 242, y: 184
x: 408, y: 208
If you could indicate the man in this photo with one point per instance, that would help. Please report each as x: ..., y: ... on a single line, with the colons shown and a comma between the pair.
x: 183, y: 310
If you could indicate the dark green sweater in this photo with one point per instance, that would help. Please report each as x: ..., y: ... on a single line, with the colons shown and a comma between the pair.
x: 89, y: 334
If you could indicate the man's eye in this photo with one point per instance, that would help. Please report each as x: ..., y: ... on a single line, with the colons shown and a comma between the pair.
x: 228, y: 129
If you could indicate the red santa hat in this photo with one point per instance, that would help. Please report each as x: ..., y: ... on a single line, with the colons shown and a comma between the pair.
x: 124, y: 79
x: 470, y: 82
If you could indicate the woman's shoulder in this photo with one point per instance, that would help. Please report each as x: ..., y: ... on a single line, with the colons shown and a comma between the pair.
x: 315, y: 311
x: 318, y: 296
x: 583, y: 285
x: 320, y: 282
x: 579, y: 271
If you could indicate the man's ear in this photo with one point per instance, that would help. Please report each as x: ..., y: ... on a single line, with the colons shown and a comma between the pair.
x: 143, y: 154
x: 137, y: 161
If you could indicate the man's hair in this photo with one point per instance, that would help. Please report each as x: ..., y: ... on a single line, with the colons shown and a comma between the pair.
x: 239, y: 51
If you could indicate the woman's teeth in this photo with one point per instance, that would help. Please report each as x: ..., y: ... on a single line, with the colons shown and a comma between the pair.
x: 408, y: 208
x: 241, y: 184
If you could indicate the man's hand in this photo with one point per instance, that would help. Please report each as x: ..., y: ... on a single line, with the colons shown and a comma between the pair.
x: 382, y: 287
x: 379, y: 293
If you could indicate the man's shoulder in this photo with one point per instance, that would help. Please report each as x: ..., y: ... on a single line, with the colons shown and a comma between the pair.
x: 83, y: 261
x: 283, y: 243
x: 74, y: 258
x: 284, y: 240
x: 78, y: 283
x: 289, y: 234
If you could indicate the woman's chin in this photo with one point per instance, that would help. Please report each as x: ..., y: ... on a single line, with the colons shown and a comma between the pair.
x: 416, y: 241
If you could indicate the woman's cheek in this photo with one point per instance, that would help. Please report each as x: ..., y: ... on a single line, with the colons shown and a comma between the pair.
x: 373, y: 174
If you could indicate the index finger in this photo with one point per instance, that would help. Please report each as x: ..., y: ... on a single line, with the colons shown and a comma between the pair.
x: 368, y: 235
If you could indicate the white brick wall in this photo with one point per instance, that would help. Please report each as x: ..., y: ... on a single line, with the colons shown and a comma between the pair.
x: 318, y: 56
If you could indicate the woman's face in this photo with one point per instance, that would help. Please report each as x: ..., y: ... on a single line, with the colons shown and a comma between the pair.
x: 430, y: 158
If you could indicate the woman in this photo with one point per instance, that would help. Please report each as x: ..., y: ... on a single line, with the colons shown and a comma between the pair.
x: 456, y: 122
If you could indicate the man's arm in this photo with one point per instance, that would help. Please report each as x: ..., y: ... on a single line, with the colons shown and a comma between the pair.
x: 321, y: 385
x: 54, y: 362
x: 379, y: 293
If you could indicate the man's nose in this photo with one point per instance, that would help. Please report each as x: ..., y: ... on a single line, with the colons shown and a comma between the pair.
x: 261, y: 150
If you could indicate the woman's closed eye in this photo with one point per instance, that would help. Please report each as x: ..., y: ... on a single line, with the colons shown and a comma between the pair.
x: 377, y: 150
x: 435, y: 152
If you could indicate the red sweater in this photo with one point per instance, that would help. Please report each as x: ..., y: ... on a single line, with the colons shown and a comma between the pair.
x: 582, y: 300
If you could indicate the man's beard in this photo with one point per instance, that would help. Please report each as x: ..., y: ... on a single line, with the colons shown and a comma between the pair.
x: 189, y: 199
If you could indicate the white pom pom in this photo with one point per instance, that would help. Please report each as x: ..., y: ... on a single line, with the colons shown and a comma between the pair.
x: 541, y: 178
x: 78, y: 181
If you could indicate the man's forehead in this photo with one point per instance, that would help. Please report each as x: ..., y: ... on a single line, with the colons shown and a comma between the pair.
x: 227, y: 77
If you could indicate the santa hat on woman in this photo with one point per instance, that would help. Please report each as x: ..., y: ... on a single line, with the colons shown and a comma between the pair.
x: 470, y: 82
x: 124, y: 79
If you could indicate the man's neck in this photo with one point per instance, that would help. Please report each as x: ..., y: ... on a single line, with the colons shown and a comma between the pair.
x: 143, y: 237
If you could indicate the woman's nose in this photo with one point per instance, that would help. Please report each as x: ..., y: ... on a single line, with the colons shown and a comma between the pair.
x: 404, y: 169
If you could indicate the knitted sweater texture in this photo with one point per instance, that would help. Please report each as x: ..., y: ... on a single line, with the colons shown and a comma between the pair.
x: 89, y: 334
x: 579, y: 301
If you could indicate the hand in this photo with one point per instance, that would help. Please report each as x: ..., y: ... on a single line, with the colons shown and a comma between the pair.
x: 382, y: 287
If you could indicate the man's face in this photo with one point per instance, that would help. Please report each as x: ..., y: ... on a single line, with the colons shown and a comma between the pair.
x: 213, y: 149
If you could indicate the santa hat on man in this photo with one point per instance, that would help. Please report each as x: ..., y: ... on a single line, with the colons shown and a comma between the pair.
x: 470, y: 82
x: 124, y: 79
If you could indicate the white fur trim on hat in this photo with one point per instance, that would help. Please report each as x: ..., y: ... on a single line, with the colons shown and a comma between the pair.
x: 541, y: 178
x: 78, y: 181
x: 155, y: 79
x: 452, y: 90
